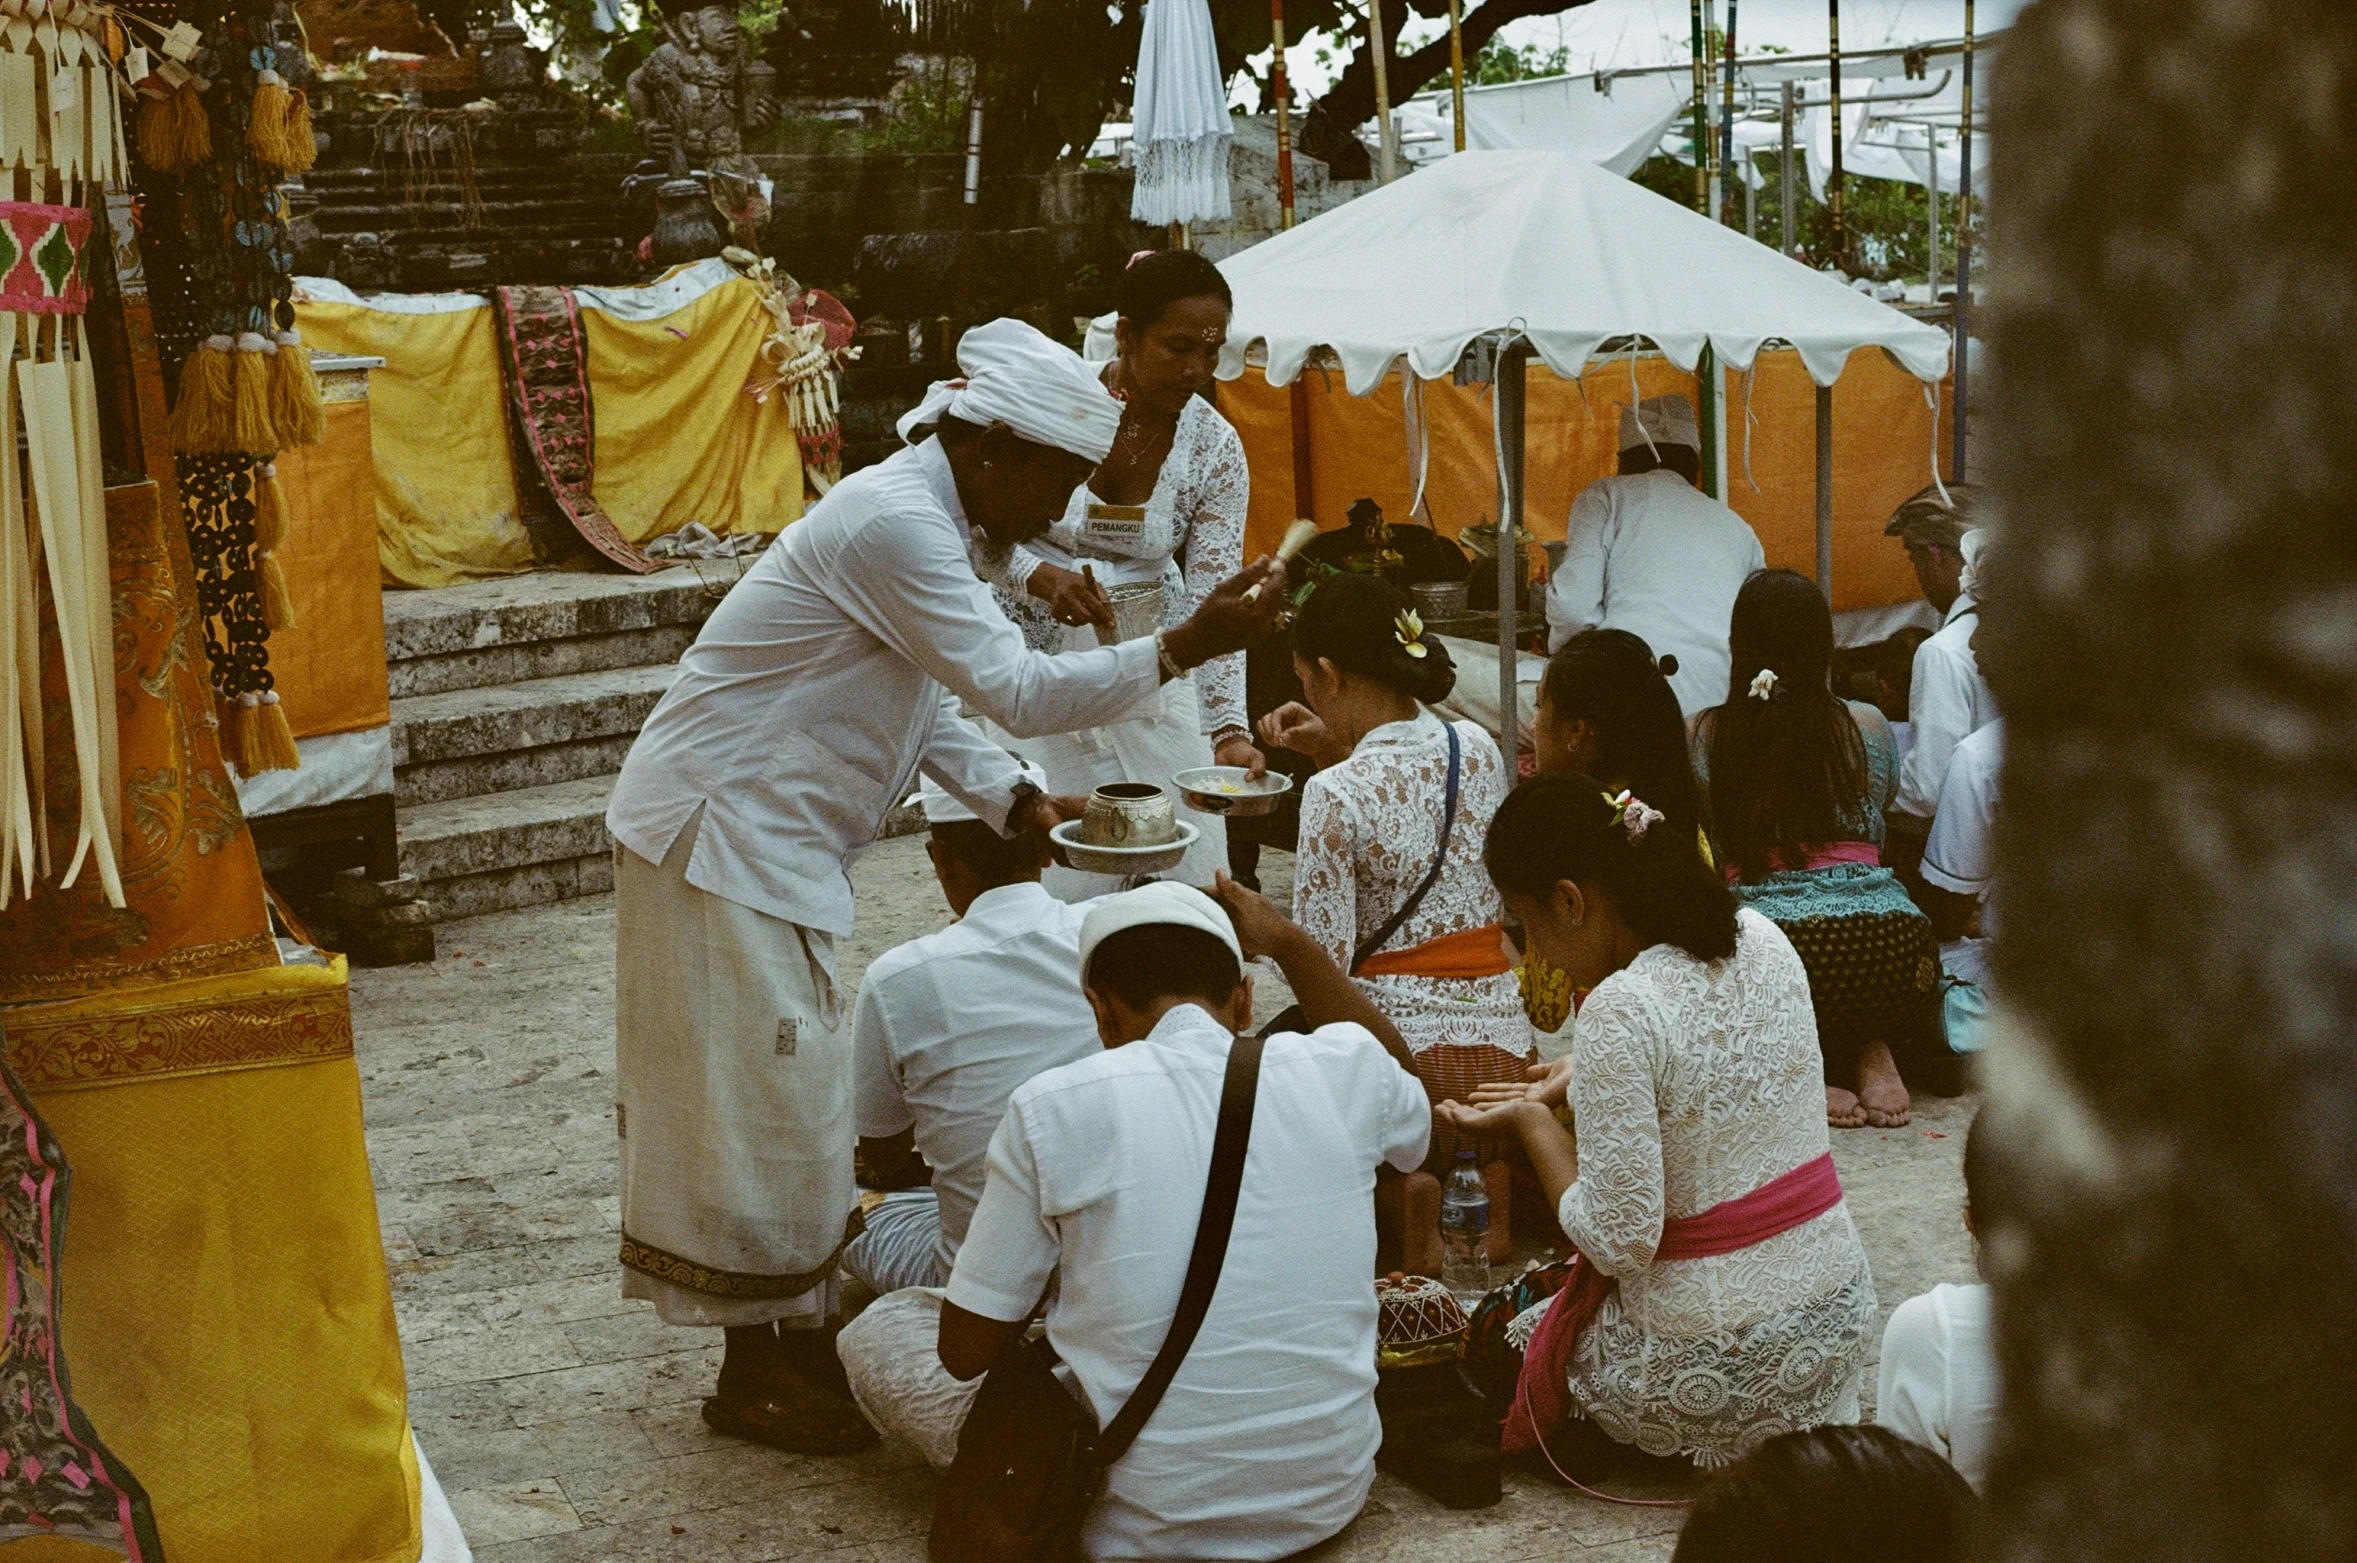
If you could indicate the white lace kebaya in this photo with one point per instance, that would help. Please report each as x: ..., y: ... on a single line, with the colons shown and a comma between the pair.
x: 1694, y: 1084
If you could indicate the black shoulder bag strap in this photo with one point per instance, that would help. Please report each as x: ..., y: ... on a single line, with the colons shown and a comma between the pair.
x: 1407, y: 909
x: 1228, y: 1143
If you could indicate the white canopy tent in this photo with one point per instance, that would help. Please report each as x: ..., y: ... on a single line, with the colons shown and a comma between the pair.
x: 1484, y: 259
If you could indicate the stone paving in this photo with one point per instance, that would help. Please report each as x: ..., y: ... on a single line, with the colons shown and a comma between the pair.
x: 563, y: 1421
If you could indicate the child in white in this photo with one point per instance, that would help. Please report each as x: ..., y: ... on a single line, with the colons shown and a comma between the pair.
x: 1938, y: 1385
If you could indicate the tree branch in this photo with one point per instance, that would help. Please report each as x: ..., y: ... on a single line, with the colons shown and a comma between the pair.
x: 1351, y: 100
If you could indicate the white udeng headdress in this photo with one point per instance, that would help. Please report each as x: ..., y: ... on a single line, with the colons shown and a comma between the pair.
x: 1039, y: 388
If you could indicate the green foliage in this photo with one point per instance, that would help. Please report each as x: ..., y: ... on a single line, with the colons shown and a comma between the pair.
x: 1499, y: 61
x: 1887, y: 219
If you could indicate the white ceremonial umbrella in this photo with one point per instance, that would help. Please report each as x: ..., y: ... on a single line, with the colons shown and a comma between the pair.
x: 1182, y: 132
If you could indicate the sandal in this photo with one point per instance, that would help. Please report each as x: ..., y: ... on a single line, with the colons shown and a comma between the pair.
x: 792, y: 1414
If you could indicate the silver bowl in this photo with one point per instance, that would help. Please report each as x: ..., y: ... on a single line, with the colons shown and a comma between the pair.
x: 1122, y: 861
x: 1137, y: 612
x: 1129, y: 814
x: 1229, y: 790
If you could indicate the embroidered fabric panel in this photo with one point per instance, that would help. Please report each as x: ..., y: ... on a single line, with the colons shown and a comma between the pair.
x: 546, y: 360
x: 733, y: 1285
x: 41, y: 258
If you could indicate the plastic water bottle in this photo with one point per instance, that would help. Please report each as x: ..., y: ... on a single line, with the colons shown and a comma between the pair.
x: 1464, y: 1232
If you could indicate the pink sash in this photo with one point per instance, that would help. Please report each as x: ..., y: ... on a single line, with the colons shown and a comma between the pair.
x: 1826, y: 856
x: 1799, y: 1196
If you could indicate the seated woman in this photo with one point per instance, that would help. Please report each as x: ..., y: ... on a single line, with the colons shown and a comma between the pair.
x: 1797, y: 783
x: 1720, y: 1294
x: 1388, y: 875
x: 1606, y: 710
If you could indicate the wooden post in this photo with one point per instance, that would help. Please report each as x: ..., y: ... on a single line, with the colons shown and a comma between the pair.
x: 1281, y: 89
x: 1510, y: 408
x: 1785, y: 234
x: 1825, y: 491
x: 1727, y: 111
x: 1457, y: 70
x: 1701, y: 130
x: 1931, y: 270
x: 1833, y: 181
x: 1386, y: 133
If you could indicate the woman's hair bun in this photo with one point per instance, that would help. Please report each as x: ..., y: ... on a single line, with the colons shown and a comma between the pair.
x: 1668, y: 663
x: 1360, y: 624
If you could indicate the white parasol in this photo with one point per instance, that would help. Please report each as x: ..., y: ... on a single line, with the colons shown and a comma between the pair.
x: 1182, y: 133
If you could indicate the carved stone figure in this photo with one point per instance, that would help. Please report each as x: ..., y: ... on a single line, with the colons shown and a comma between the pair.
x: 688, y: 97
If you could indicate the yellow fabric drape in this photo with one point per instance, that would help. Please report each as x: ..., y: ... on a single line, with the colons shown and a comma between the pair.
x: 678, y: 440
x: 1882, y: 444
x: 330, y: 664
x: 227, y: 1318
x: 445, y: 476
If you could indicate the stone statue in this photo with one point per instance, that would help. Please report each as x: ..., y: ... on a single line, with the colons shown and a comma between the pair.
x: 689, y: 97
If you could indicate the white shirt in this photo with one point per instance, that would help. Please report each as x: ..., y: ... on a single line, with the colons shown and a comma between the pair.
x: 1959, y: 857
x: 1265, y: 1442
x: 1938, y: 1385
x: 828, y: 676
x: 948, y: 1025
x: 1655, y: 556
x: 1947, y: 701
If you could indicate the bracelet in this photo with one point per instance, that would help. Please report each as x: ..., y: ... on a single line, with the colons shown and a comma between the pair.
x: 1170, y: 667
x: 1232, y: 730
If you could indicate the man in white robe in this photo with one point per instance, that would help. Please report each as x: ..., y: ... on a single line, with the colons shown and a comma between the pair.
x: 824, y: 683
x: 1649, y: 552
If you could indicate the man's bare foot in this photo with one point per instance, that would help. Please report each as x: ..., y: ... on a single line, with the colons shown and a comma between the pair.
x: 1842, y: 1110
x: 1882, y: 1095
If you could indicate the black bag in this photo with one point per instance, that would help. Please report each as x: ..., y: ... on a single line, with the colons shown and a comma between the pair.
x: 1030, y: 1461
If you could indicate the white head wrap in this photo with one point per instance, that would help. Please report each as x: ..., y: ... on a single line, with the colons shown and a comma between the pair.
x: 1972, y: 545
x: 1161, y: 902
x: 1038, y: 388
x: 1668, y: 420
x: 943, y: 807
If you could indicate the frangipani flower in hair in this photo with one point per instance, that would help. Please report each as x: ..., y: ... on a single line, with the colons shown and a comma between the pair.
x: 1409, y: 629
x: 1763, y: 684
x: 1633, y: 814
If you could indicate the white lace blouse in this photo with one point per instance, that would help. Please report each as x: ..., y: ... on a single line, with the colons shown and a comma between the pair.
x: 1192, y: 539
x: 1369, y: 829
x: 1694, y: 1084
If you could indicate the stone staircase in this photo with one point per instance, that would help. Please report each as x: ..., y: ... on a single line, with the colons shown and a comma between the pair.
x: 514, y: 702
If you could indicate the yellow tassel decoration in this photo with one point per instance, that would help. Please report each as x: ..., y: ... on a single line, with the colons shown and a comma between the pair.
x: 295, y: 407
x: 201, y: 419
x: 302, y: 147
x: 270, y: 512
x: 174, y: 134
x: 255, y: 735
x: 278, y: 608
x: 266, y: 124
x: 252, y: 429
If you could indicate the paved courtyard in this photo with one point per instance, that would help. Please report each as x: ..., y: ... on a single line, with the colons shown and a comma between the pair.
x: 563, y: 1421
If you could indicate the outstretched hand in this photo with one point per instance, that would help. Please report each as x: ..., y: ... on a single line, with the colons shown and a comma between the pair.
x: 1549, y: 1085
x: 1231, y: 617
x: 1073, y: 596
x: 1041, y: 813
x: 1260, y: 927
x: 1296, y: 727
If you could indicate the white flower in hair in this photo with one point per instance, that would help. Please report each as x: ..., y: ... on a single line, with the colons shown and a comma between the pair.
x: 1408, y: 629
x: 1763, y: 683
x: 1633, y: 814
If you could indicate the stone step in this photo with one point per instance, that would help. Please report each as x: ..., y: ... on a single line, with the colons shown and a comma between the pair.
x: 468, y: 742
x: 510, y: 849
x: 542, y: 625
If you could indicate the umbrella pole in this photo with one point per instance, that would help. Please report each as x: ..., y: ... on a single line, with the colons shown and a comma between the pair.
x: 1791, y: 245
x: 1931, y: 273
x: 1964, y: 258
x: 1386, y: 133
x: 966, y: 212
x: 1457, y: 70
x: 1281, y: 89
x: 1304, y: 484
x: 1701, y: 130
x: 1510, y: 408
x: 1833, y: 182
x: 1825, y: 491
x: 1727, y: 110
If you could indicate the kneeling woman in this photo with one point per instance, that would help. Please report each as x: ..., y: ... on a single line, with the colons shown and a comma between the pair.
x: 1720, y: 1294
x: 1388, y: 876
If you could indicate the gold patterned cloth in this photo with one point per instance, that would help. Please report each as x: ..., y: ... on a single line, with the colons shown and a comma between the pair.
x: 192, y: 886
x: 226, y: 1305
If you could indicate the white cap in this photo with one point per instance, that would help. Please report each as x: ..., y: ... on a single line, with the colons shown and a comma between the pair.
x: 1669, y: 420
x: 943, y: 807
x: 1181, y: 906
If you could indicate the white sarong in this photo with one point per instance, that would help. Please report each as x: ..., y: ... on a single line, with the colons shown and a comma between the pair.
x: 732, y: 1102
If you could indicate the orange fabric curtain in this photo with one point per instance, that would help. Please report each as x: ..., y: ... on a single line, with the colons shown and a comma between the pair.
x: 330, y: 664
x: 1882, y: 442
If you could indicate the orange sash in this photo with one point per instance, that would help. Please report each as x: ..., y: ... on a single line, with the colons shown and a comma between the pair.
x: 1477, y: 952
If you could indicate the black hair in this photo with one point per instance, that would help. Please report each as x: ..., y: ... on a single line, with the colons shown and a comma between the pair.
x: 1833, y: 1494
x: 1940, y: 521
x: 1557, y: 826
x: 1608, y: 678
x: 1155, y: 961
x: 1352, y: 621
x: 1665, y: 456
x: 1976, y: 1164
x: 1156, y: 281
x: 1787, y: 772
x: 986, y: 854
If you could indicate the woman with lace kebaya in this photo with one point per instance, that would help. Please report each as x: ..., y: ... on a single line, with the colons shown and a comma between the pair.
x: 1165, y: 509
x: 1719, y: 1295
x: 1387, y: 876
